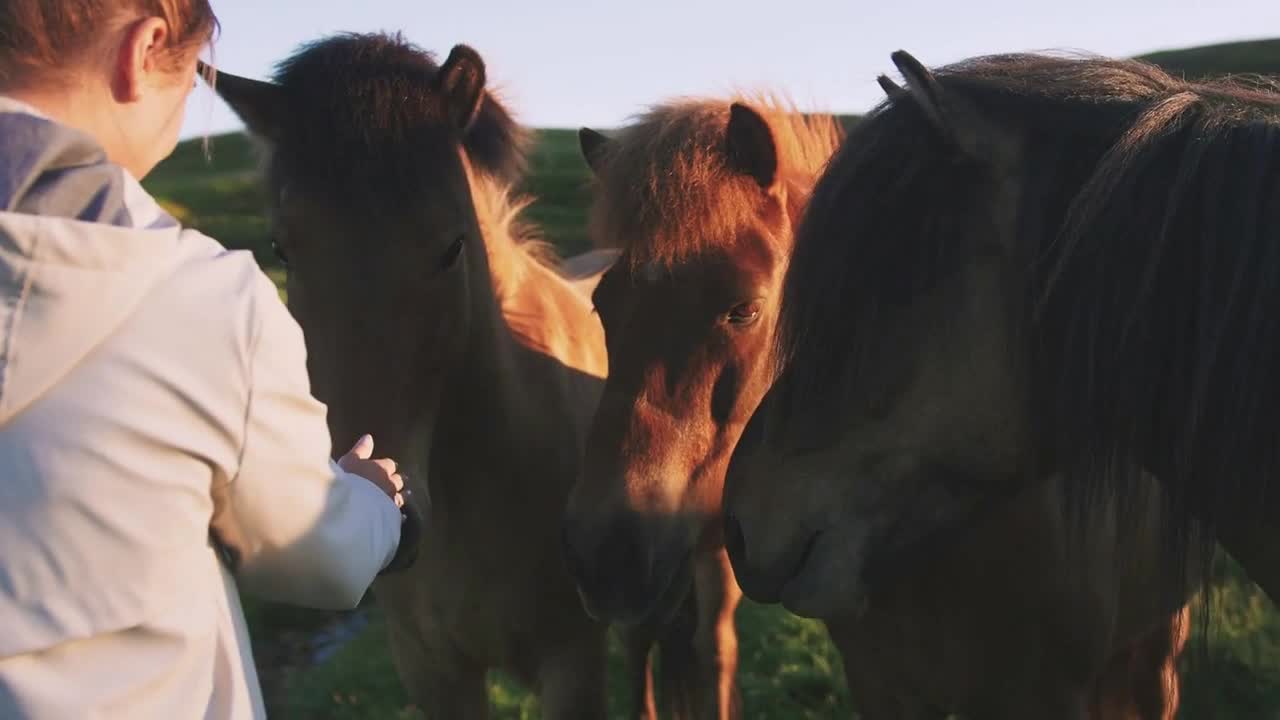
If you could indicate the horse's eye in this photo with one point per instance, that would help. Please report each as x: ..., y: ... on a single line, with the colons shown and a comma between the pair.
x: 451, y: 255
x: 743, y: 313
x: 281, y: 255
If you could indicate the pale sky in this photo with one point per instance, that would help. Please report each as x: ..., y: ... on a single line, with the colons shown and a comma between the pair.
x: 565, y: 63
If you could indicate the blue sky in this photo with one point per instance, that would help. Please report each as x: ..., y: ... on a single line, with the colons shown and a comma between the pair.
x: 565, y: 63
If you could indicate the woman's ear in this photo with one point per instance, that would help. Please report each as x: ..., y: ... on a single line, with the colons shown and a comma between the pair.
x: 138, y: 59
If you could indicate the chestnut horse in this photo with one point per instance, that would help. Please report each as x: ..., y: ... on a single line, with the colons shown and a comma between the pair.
x: 637, y: 536
x: 432, y: 322
x: 703, y: 197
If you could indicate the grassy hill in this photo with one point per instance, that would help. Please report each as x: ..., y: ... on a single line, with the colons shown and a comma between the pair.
x: 788, y: 668
x: 1253, y: 57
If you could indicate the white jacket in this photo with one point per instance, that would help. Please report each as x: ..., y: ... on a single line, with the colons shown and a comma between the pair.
x: 155, y: 414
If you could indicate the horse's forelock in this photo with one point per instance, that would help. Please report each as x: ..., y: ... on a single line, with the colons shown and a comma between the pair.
x: 367, y: 107
x: 665, y: 191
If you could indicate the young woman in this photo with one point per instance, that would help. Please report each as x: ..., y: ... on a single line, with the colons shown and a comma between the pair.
x: 158, y: 437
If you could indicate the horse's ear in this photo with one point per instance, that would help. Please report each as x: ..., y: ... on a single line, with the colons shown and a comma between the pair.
x: 749, y: 145
x: 593, y: 145
x: 261, y: 105
x: 889, y: 87
x: 954, y: 118
x: 924, y: 88
x: 461, y: 80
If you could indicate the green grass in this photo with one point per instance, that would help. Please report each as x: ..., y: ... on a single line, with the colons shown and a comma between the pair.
x: 559, y: 181
x: 788, y: 667
x: 788, y: 671
x: 1254, y: 57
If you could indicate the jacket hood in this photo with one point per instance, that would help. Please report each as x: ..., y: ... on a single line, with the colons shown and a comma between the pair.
x: 81, y: 245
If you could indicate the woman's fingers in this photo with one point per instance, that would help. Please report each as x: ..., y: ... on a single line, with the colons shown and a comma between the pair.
x: 379, y: 471
x: 363, y: 449
x: 387, y: 464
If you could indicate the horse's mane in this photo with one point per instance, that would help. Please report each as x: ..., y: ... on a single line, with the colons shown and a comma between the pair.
x: 512, y: 245
x: 1148, y: 216
x: 1168, y: 270
x: 370, y: 122
x: 665, y: 182
x: 544, y: 311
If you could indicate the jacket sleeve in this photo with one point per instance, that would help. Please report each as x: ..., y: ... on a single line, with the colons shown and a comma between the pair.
x: 293, y: 525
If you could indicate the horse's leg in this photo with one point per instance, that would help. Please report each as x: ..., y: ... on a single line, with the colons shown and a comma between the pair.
x: 1112, y: 697
x: 1046, y: 700
x: 680, y: 682
x: 698, y: 649
x: 874, y: 701
x: 1181, y: 633
x: 571, y: 678
x: 876, y: 705
x: 872, y: 694
x: 637, y: 643
x: 438, y: 679
x: 1155, y: 679
x: 716, y: 637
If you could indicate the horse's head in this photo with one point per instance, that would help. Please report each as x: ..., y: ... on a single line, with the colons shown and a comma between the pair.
x: 902, y: 398
x: 1023, y: 265
x: 369, y: 149
x: 702, y: 197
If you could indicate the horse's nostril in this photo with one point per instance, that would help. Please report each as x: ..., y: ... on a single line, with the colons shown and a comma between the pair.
x: 624, y: 551
x: 734, y: 541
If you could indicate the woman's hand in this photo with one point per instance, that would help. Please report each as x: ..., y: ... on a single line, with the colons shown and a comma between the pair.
x: 381, y: 472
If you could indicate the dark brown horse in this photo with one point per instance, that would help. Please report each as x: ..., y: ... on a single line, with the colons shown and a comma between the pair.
x: 1039, y: 265
x: 1020, y: 265
x: 433, y: 322
x: 703, y: 197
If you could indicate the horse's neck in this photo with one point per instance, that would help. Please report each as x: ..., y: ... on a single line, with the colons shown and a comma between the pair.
x: 514, y: 397
x: 483, y: 386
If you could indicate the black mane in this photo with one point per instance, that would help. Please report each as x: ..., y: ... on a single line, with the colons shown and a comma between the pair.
x: 367, y: 117
x: 1149, y: 226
